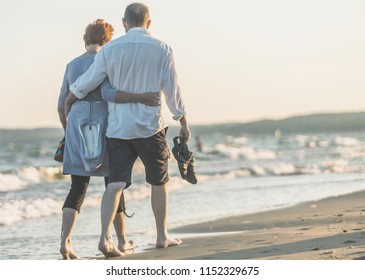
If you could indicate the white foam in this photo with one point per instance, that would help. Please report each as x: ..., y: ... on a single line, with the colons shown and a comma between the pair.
x: 92, y: 200
x: 30, y: 174
x: 9, y: 182
x: 137, y: 192
x: 27, y: 176
x: 347, y: 141
x: 282, y: 168
x: 13, y: 211
x: 238, y: 140
x: 246, y: 152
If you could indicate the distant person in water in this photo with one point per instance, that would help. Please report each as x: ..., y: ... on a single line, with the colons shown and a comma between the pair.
x: 85, y: 127
x: 199, y: 144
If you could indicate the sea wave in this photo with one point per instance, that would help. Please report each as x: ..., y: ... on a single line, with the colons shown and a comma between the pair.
x: 218, y: 168
x: 236, y: 153
x: 9, y: 182
x: 14, y: 211
x: 29, y: 192
x: 27, y: 176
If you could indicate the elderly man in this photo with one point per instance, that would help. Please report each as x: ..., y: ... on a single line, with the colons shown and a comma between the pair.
x: 136, y: 63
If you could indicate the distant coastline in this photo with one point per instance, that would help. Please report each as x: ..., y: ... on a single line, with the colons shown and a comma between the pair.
x: 314, y: 123
x: 321, y: 122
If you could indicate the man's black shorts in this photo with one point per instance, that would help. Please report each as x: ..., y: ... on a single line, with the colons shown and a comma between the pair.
x: 153, y: 152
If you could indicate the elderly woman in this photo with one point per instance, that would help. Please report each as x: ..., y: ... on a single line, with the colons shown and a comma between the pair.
x: 85, y: 128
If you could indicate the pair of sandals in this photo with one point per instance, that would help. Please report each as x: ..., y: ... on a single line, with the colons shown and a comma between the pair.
x: 185, y: 160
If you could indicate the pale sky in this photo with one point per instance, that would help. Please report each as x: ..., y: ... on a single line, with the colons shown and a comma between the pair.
x: 236, y: 60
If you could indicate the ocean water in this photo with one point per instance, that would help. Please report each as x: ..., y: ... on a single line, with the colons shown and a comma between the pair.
x: 238, y: 173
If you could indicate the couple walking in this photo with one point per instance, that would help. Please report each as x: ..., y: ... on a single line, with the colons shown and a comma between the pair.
x: 129, y: 73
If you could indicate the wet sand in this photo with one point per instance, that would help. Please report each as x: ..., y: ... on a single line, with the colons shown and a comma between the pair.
x: 329, y: 229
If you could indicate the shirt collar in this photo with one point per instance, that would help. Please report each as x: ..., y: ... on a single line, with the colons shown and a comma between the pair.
x: 139, y: 30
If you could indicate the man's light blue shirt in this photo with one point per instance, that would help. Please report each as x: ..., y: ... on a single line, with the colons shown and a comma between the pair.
x: 136, y: 63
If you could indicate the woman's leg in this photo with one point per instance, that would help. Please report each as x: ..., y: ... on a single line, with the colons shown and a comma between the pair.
x: 69, y: 217
x: 70, y: 211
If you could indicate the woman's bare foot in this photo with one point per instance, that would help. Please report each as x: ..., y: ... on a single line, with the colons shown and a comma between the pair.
x: 109, y: 250
x: 67, y: 252
x: 168, y: 243
x: 126, y: 247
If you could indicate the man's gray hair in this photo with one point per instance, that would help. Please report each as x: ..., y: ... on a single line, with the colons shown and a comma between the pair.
x: 137, y: 14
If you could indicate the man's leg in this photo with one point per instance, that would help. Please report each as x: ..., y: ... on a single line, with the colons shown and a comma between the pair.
x: 109, y: 205
x: 121, y: 159
x: 159, y: 200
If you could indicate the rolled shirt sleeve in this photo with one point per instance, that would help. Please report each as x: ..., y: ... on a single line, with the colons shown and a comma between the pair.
x: 92, y: 78
x: 171, y: 89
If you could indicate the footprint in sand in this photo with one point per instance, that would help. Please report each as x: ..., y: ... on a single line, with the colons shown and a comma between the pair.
x: 305, y: 228
x: 269, y: 251
x: 327, y: 253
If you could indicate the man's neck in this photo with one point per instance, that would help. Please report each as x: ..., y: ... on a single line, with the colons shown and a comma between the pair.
x: 129, y: 27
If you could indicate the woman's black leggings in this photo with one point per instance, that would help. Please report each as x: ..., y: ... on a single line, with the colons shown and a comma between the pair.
x: 76, y: 195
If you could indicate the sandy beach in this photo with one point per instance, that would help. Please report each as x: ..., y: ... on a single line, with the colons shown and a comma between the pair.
x: 329, y: 229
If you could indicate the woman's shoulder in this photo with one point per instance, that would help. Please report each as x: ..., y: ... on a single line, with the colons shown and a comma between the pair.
x: 81, y: 59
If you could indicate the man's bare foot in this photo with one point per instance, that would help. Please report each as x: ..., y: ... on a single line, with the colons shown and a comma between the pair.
x: 109, y: 250
x: 126, y: 247
x: 168, y: 243
x: 67, y: 252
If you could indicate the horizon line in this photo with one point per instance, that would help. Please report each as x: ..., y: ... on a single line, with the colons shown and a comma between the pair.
x: 213, y: 123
